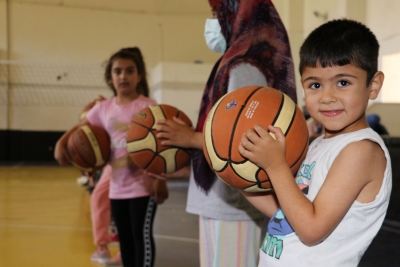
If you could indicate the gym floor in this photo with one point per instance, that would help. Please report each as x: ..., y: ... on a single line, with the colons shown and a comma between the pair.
x: 45, y: 221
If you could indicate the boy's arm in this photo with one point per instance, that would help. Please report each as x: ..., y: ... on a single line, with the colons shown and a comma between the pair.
x: 356, y: 174
x: 264, y: 202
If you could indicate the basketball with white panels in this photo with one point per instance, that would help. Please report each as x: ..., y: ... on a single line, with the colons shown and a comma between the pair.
x: 233, y: 115
x: 89, y: 148
x: 146, y: 150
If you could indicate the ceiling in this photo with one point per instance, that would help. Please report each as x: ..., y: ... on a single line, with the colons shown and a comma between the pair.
x: 160, y: 7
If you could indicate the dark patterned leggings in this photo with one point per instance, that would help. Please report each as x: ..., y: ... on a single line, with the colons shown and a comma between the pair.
x: 134, y: 220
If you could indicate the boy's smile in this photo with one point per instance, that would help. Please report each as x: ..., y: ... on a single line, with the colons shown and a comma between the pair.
x: 337, y: 97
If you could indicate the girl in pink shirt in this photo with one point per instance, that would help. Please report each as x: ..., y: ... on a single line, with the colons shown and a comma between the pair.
x: 131, y: 191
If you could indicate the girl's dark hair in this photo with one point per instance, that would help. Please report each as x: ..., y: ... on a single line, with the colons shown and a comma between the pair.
x: 338, y: 43
x: 134, y: 54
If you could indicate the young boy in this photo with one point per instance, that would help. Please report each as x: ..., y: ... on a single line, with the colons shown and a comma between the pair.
x: 345, y: 180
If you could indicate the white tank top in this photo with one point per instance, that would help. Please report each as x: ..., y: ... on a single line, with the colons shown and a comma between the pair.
x: 349, y: 240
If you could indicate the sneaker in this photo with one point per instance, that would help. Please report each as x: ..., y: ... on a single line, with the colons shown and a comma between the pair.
x: 101, y: 255
x: 82, y: 181
x: 114, y: 240
x: 114, y: 262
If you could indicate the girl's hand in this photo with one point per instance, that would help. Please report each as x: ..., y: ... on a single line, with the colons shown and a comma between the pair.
x: 60, y: 151
x: 179, y: 174
x: 61, y: 154
x: 160, y: 191
x: 175, y: 132
x: 261, y: 148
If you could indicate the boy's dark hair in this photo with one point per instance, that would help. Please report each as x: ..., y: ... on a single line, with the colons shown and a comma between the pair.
x: 134, y: 54
x: 341, y: 42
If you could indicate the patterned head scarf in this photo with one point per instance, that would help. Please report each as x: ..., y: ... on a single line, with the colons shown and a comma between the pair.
x: 255, y: 35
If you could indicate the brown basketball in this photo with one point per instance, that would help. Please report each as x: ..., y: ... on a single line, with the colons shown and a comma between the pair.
x: 146, y: 150
x: 89, y: 147
x: 233, y: 115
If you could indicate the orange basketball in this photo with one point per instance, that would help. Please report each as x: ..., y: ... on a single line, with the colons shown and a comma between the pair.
x: 233, y: 115
x: 89, y: 147
x: 146, y: 150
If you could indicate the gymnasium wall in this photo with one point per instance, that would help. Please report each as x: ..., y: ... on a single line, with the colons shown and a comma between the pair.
x: 64, y: 44
x: 46, y: 40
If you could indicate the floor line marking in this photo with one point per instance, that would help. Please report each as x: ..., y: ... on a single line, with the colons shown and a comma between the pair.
x: 175, y: 238
x: 49, y: 227
x: 88, y: 229
x: 390, y: 229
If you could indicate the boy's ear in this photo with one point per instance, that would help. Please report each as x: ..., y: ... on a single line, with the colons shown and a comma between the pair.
x: 376, y: 85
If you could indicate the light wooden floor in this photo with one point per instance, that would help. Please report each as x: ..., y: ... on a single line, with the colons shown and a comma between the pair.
x: 45, y: 221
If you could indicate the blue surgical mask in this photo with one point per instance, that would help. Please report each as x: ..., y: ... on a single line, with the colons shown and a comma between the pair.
x: 214, y: 39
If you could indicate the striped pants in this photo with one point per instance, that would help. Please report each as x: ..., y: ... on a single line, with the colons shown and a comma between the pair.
x: 134, y: 220
x: 229, y: 243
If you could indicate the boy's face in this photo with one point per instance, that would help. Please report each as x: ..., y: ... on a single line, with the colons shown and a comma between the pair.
x: 337, y: 97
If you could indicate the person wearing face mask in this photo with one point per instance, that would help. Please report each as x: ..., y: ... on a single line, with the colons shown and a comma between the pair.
x: 255, y: 51
x: 213, y: 36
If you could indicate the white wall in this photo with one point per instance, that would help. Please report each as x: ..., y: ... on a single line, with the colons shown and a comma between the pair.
x: 180, y: 85
x: 390, y: 67
x: 45, y: 32
x: 3, y: 54
x: 57, y: 33
x: 383, y: 19
x: 171, y: 32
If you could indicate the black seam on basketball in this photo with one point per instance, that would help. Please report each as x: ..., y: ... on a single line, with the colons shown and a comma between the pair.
x: 212, y: 139
x: 291, y: 121
x: 151, y: 161
x: 236, y: 121
x: 155, y: 153
x: 90, y: 151
x: 279, y: 113
x: 101, y: 150
x: 75, y: 143
x: 162, y: 110
x: 241, y: 177
x: 226, y: 166
x: 279, y: 110
x: 128, y: 142
x: 258, y: 182
x: 148, y: 128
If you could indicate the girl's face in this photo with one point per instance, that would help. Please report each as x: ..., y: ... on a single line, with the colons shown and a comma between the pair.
x: 125, y: 77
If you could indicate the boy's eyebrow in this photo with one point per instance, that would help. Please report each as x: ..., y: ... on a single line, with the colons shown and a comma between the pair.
x: 310, y: 78
x: 335, y: 77
x: 345, y: 75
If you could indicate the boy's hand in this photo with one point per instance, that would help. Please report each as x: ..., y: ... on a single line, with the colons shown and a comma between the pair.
x: 175, y: 132
x: 261, y: 148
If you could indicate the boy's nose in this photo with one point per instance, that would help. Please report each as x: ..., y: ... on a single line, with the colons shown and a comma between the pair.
x: 328, y: 96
